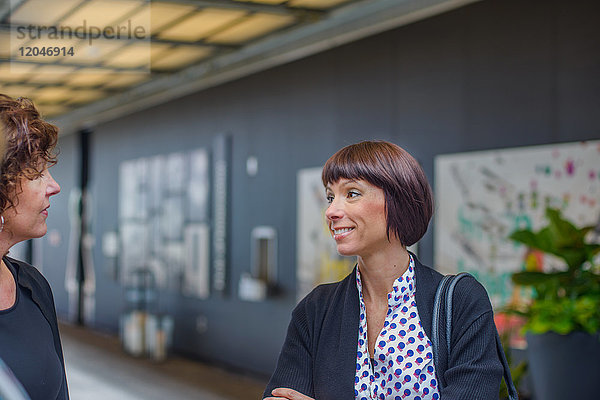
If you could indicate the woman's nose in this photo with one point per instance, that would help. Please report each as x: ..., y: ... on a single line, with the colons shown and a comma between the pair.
x: 53, y: 186
x: 333, y: 212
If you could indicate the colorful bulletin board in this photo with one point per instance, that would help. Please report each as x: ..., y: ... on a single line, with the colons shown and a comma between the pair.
x: 317, y: 258
x: 481, y: 197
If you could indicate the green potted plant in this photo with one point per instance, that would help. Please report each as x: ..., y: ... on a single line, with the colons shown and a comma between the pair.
x: 563, y: 317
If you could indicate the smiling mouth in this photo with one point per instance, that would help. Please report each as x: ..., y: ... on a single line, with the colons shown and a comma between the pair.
x: 341, y: 232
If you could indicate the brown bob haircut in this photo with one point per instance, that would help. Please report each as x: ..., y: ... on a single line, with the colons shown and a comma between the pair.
x: 408, y: 196
x: 29, y: 144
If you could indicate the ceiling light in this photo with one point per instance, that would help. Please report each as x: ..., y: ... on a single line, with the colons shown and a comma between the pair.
x: 85, y: 96
x: 52, y: 95
x: 137, y: 55
x: 180, y: 57
x: 5, y: 45
x: 41, y: 12
x: 102, y: 13
x: 201, y: 24
x: 125, y: 79
x: 254, y: 26
x: 50, y: 74
x: 14, y: 71
x: 161, y: 15
x: 95, y: 53
x: 51, y: 110
x: 88, y: 77
x: 19, y: 90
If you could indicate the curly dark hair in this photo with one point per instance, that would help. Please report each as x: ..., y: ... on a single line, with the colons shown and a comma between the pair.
x: 29, y: 145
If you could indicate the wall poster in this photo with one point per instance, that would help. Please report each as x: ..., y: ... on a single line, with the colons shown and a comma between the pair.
x: 483, y: 196
x: 164, y: 220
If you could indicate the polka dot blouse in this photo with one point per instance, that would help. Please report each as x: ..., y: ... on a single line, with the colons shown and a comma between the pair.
x: 402, y: 368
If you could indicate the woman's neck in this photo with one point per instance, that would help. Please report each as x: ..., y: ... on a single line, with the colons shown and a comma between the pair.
x: 5, y: 243
x: 8, y: 287
x: 379, y: 271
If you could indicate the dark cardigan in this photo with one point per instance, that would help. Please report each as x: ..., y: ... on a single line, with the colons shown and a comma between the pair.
x: 31, y: 279
x: 318, y: 357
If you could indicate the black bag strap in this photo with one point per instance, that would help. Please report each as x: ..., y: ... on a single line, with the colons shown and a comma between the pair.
x: 435, y: 323
x: 445, y: 290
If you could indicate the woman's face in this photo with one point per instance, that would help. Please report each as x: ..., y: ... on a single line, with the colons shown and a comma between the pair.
x: 357, y: 217
x: 27, y: 219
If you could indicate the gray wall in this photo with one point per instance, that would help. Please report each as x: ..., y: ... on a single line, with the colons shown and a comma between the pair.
x: 54, y: 256
x: 493, y: 74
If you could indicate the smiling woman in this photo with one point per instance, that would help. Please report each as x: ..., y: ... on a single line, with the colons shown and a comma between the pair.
x: 29, y: 338
x: 367, y: 336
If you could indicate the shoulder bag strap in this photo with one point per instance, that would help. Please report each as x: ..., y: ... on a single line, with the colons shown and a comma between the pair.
x: 445, y: 291
x: 436, y: 326
x: 512, y: 390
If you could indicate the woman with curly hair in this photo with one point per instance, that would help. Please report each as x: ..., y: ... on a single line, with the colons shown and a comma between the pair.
x: 29, y: 338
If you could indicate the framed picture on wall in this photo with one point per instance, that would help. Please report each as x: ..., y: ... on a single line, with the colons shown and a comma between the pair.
x: 164, y: 220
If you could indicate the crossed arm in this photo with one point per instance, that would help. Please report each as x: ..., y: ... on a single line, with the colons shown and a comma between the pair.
x: 287, y: 394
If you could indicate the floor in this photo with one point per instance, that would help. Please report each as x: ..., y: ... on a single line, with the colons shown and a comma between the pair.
x: 97, y: 369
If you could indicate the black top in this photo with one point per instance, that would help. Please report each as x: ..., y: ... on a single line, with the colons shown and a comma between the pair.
x: 29, y: 341
x: 318, y: 357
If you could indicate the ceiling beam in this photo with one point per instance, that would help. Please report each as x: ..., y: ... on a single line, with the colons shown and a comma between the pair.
x: 344, y: 25
x: 248, y: 6
x: 142, y: 69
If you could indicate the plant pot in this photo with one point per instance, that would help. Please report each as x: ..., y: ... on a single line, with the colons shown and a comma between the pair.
x: 564, y: 366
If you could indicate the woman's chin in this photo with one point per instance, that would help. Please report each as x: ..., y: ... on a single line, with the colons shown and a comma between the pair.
x: 346, y: 251
x: 38, y: 233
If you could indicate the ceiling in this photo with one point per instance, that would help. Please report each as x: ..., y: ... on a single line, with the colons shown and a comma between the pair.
x: 87, y: 61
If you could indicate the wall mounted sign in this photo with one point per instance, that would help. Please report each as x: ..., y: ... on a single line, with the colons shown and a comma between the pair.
x: 221, y: 161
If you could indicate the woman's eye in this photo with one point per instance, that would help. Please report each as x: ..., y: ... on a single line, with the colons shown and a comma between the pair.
x: 329, y: 199
x: 352, y: 194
